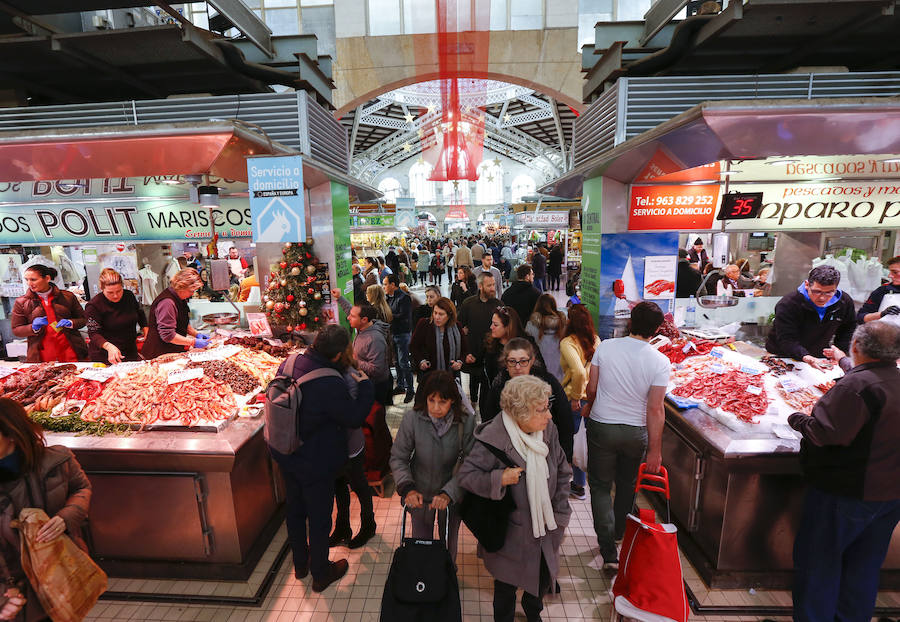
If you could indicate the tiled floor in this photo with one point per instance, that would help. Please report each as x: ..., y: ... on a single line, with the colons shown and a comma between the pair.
x: 357, y: 597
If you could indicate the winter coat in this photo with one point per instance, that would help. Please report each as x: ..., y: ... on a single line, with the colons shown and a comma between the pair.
x: 458, y: 295
x: 521, y: 296
x: 798, y: 331
x: 66, y: 306
x: 463, y: 257
x: 423, y: 346
x: 559, y: 405
x: 371, y: 347
x: 423, y: 461
x: 58, y: 486
x: 543, y: 331
x: 554, y: 264
x: 519, y: 561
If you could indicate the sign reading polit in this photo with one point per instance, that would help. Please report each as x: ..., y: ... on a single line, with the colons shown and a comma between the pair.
x: 736, y: 206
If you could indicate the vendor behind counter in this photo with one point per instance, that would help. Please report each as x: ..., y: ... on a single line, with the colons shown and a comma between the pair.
x: 808, y: 319
x: 876, y: 307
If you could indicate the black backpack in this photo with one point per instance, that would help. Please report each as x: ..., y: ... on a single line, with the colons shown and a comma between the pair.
x: 282, y: 406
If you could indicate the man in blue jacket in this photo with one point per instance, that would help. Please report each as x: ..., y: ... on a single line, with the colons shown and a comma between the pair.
x: 309, y: 473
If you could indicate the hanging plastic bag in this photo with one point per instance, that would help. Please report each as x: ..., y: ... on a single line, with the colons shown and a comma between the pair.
x: 66, y: 580
x: 579, y: 449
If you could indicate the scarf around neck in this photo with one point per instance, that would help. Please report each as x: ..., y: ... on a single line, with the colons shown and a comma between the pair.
x: 534, y: 451
x: 454, y: 339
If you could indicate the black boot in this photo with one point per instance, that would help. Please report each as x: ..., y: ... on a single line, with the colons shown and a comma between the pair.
x: 340, y: 535
x: 366, y: 533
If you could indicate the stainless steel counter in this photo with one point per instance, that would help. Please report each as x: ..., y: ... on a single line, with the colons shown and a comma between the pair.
x: 180, y: 504
x: 737, y: 499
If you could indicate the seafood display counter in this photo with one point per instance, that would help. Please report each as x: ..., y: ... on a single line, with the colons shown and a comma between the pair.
x: 179, y: 504
x: 737, y: 494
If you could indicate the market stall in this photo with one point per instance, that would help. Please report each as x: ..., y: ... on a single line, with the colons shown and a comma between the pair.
x: 183, y: 482
x: 770, y: 182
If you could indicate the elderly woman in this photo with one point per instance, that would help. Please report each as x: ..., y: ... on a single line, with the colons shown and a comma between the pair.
x: 431, y: 441
x: 33, y: 475
x: 520, y: 359
x: 529, y: 558
x: 169, y: 329
x: 113, y: 317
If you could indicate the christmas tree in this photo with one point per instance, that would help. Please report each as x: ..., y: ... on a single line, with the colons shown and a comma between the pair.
x: 293, y: 298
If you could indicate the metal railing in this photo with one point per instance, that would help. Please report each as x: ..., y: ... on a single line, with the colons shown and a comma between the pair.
x: 635, y: 105
x: 292, y: 119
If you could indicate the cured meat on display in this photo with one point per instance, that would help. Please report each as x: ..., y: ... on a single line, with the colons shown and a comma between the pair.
x: 660, y: 286
x: 729, y: 392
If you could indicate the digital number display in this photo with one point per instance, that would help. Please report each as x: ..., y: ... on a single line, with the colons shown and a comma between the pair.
x: 740, y: 205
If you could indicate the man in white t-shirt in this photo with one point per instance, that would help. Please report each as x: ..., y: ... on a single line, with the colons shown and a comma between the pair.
x: 625, y: 395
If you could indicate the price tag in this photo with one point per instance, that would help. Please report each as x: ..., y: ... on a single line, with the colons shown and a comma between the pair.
x: 717, y: 368
x: 7, y: 371
x: 791, y: 384
x: 690, y: 345
x: 716, y: 353
x: 184, y: 375
x: 274, y: 342
x: 216, y: 354
x: 754, y: 390
x: 126, y: 366
x: 747, y: 369
x: 99, y: 375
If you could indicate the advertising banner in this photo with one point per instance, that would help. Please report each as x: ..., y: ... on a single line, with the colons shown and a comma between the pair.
x: 625, y: 259
x: 277, y: 209
x: 340, y: 206
x: 592, y: 196
x: 542, y: 219
x: 377, y: 220
x: 673, y: 208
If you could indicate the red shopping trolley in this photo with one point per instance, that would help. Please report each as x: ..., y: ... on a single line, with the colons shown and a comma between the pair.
x: 650, y: 586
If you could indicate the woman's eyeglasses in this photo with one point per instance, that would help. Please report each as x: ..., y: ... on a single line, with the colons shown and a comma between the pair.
x: 518, y: 362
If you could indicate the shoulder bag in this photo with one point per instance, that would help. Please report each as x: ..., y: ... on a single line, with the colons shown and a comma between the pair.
x: 486, y: 518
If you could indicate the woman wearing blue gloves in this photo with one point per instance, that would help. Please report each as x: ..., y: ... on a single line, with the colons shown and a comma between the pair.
x: 50, y: 318
x: 169, y: 328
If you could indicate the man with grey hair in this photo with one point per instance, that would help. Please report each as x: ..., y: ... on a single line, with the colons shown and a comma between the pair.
x: 806, y: 320
x: 851, y: 464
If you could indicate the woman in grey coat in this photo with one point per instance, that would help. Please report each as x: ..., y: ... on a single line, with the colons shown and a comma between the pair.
x: 529, y: 558
x: 432, y: 440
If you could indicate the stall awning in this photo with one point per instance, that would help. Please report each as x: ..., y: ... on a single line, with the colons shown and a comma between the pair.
x: 732, y: 130
x: 217, y: 148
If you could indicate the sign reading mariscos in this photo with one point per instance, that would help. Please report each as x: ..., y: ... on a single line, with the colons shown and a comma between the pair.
x: 129, y: 209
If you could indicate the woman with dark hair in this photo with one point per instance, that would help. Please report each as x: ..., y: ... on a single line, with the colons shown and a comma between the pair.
x: 505, y: 325
x: 423, y: 311
x: 547, y: 326
x: 35, y: 476
x: 464, y: 286
x: 625, y: 394
x: 439, y: 342
x: 170, y: 329
x: 520, y: 358
x: 576, y: 350
x: 437, y: 267
x: 50, y: 318
x: 432, y: 440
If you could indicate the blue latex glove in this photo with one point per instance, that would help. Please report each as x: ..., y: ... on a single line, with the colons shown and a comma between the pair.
x: 64, y: 323
x: 204, y: 336
x: 39, y: 323
x: 201, y: 341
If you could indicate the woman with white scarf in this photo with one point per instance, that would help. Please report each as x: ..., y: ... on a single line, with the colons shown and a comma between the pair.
x: 539, y: 484
x: 438, y: 342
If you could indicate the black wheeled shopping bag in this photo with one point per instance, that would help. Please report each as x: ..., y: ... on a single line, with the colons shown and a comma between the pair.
x: 421, y: 585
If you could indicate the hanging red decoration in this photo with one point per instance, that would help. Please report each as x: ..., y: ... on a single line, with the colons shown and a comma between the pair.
x: 303, y: 326
x: 289, y: 298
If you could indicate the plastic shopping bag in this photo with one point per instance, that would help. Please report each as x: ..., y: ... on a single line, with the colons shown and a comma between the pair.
x: 580, y: 450
x: 66, y: 580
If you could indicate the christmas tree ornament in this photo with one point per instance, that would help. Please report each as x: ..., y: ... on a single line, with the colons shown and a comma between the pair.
x: 304, y: 311
x: 283, y: 265
x: 284, y: 282
x: 269, y: 305
x: 295, y: 265
x: 317, y: 296
x: 295, y: 271
x: 308, y: 255
x: 284, y: 251
x: 316, y: 319
x: 289, y: 298
x: 302, y: 303
x: 266, y: 298
x: 303, y: 326
x: 310, y: 269
x: 274, y: 274
x: 288, y: 244
x: 289, y: 328
x: 279, y: 307
x: 310, y: 291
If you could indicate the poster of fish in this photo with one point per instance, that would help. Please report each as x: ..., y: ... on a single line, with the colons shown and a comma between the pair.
x: 624, y: 272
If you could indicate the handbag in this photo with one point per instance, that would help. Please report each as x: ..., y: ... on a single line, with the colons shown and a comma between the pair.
x: 488, y: 519
x: 580, y: 448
